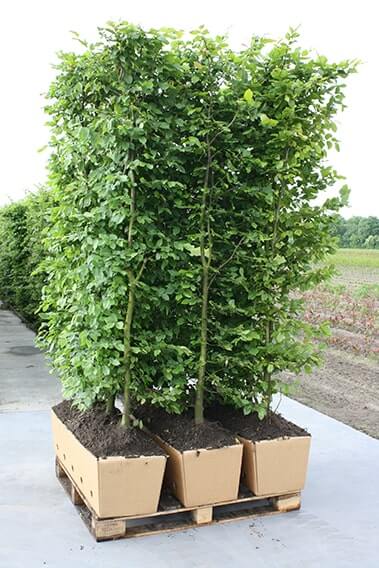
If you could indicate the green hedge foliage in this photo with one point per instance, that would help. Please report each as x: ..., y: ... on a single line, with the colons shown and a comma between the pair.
x: 21, y: 252
x: 182, y: 217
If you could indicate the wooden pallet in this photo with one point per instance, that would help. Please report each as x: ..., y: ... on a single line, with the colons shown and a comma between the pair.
x: 171, y: 515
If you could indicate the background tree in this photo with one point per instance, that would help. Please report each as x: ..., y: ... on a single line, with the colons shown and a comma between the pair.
x: 357, y: 232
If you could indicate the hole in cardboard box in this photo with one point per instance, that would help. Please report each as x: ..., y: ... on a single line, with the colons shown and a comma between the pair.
x: 91, y: 493
x: 81, y: 480
x: 64, y: 456
x: 72, y: 467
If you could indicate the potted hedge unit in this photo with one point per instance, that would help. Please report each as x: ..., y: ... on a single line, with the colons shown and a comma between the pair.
x: 113, y: 485
x: 101, y: 261
x: 197, y: 473
x: 182, y: 227
x: 275, y: 451
x: 249, y: 175
x: 204, y: 476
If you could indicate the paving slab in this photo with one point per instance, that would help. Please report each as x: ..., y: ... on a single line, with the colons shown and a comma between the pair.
x: 25, y: 382
x: 337, y: 526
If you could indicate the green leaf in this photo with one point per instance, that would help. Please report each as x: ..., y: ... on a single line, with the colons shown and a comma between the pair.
x: 248, y: 96
x: 195, y: 251
x: 266, y: 121
x: 344, y: 195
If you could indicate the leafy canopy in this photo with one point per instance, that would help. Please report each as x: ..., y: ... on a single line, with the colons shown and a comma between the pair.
x: 183, y: 218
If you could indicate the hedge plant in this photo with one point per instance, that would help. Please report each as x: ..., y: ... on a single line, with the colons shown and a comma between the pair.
x: 112, y: 235
x: 256, y: 133
x: 282, y: 235
x: 182, y: 219
x: 21, y: 252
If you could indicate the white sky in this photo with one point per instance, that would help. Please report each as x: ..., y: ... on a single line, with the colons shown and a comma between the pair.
x: 33, y: 31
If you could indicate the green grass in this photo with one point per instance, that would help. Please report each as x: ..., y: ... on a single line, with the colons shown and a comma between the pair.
x: 367, y: 291
x: 367, y: 258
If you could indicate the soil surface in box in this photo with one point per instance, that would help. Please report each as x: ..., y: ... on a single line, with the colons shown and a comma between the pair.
x: 250, y: 427
x: 103, y: 435
x: 182, y: 433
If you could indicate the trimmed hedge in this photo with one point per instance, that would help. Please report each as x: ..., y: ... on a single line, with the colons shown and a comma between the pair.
x: 181, y: 218
x: 21, y: 251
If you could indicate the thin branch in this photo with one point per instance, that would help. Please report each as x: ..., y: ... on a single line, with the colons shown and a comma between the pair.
x: 278, y: 205
x: 280, y: 400
x: 227, y: 260
x: 210, y: 240
x: 204, y: 218
x: 227, y: 126
x: 209, y: 228
x: 142, y: 268
x: 132, y: 209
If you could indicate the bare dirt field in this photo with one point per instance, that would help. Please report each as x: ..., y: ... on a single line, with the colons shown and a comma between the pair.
x: 346, y: 387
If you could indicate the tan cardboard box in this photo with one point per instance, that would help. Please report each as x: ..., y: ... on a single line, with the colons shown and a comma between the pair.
x: 275, y: 467
x: 203, y: 477
x: 114, y: 486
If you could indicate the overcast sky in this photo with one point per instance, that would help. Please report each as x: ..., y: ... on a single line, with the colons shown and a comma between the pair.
x: 33, y: 31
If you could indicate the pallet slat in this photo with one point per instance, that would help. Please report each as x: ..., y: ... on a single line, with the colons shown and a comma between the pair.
x: 171, y: 515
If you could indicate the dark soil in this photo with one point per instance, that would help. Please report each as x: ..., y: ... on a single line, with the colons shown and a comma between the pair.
x: 103, y: 435
x: 182, y: 433
x: 250, y: 427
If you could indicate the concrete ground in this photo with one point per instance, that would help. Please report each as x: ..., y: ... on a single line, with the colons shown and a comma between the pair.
x: 25, y: 383
x: 337, y: 527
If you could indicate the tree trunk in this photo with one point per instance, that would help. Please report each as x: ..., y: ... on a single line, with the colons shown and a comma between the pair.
x: 199, y: 404
x: 109, y: 404
x: 127, y: 350
x: 125, y: 421
x: 267, y: 374
x: 205, y: 235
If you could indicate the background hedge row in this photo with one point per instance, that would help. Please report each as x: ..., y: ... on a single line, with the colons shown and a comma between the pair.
x: 21, y: 251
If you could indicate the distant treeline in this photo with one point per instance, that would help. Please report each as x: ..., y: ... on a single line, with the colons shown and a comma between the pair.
x: 358, y: 232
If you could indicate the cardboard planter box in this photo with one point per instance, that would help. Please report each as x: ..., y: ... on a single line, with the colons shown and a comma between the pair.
x: 203, y: 477
x: 113, y: 486
x: 275, y: 467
